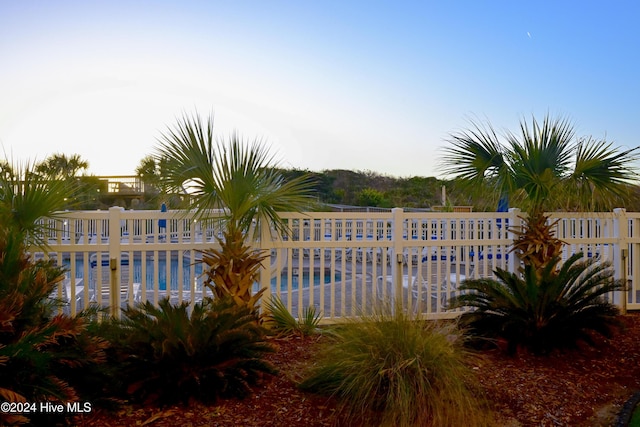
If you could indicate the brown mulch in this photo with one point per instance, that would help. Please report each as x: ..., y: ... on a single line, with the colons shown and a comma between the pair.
x: 586, y: 387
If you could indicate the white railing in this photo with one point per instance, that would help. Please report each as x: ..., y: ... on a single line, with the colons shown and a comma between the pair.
x: 341, y: 263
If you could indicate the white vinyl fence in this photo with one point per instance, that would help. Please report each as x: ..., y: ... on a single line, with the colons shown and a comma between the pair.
x: 341, y: 263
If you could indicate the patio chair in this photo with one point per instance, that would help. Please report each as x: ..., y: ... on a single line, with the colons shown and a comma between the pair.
x: 69, y: 292
x: 101, y: 281
x: 439, y: 282
x: 74, y: 292
x: 104, y: 295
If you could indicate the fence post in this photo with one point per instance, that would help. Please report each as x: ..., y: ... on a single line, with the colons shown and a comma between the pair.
x: 115, y: 214
x: 397, y: 299
x: 513, y: 262
x: 265, y: 273
x: 620, y: 253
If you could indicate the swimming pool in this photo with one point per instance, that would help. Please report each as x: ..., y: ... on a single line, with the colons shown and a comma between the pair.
x: 186, y: 275
x: 305, y: 278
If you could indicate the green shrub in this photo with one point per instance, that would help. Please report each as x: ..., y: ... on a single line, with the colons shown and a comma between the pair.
x: 544, y: 310
x: 394, y: 370
x: 283, y: 321
x: 168, y: 354
x: 43, y: 357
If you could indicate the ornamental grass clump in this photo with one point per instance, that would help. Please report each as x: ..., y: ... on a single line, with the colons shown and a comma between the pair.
x: 392, y: 369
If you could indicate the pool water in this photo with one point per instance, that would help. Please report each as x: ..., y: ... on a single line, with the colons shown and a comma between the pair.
x: 190, y: 272
x: 187, y: 276
x: 295, y: 281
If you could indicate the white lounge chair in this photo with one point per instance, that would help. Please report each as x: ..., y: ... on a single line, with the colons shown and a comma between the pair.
x: 101, y: 283
x: 104, y: 296
x: 438, y: 286
x: 73, y: 292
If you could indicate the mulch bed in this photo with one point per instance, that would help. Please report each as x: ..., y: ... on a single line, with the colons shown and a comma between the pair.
x: 584, y: 387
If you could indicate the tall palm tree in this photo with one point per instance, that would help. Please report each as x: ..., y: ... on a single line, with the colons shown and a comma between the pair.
x: 239, y: 176
x: 62, y: 167
x: 82, y: 190
x: 543, y: 168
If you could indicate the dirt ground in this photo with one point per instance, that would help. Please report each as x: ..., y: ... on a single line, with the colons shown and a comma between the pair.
x: 585, y: 387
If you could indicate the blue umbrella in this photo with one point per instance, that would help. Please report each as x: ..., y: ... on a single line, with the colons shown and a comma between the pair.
x: 503, y: 206
x: 162, y: 223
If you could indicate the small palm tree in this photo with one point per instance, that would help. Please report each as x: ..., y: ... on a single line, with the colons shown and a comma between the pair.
x: 242, y: 178
x: 556, y: 308
x: 543, y: 168
x: 25, y: 198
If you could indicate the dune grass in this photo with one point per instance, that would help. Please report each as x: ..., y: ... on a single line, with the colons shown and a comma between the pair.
x: 390, y: 368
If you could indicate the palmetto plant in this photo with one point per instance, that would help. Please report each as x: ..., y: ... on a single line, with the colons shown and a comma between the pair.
x: 25, y: 198
x: 543, y: 168
x: 61, y: 167
x: 238, y: 176
x: 283, y: 321
x: 555, y: 308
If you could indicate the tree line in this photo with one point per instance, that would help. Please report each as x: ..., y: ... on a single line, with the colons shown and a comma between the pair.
x: 347, y: 188
x: 334, y: 187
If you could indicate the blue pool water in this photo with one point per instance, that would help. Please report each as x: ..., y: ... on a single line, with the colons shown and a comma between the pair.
x: 295, y: 281
x: 189, y: 273
x: 188, y: 276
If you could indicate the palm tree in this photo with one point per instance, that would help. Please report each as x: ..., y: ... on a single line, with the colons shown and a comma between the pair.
x: 25, y: 198
x: 239, y: 176
x: 62, y: 167
x: 545, y: 305
x: 543, y: 168
x: 82, y: 191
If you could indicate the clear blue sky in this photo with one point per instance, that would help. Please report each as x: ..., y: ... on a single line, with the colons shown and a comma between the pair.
x: 362, y: 85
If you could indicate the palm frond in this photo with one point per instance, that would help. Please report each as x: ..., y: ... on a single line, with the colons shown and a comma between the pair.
x: 477, y: 155
x: 544, y: 308
x: 237, y: 175
x: 25, y: 199
x: 602, y: 174
x: 186, y: 152
x: 541, y: 157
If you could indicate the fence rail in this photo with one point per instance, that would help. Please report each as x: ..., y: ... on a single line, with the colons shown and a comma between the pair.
x: 341, y: 263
